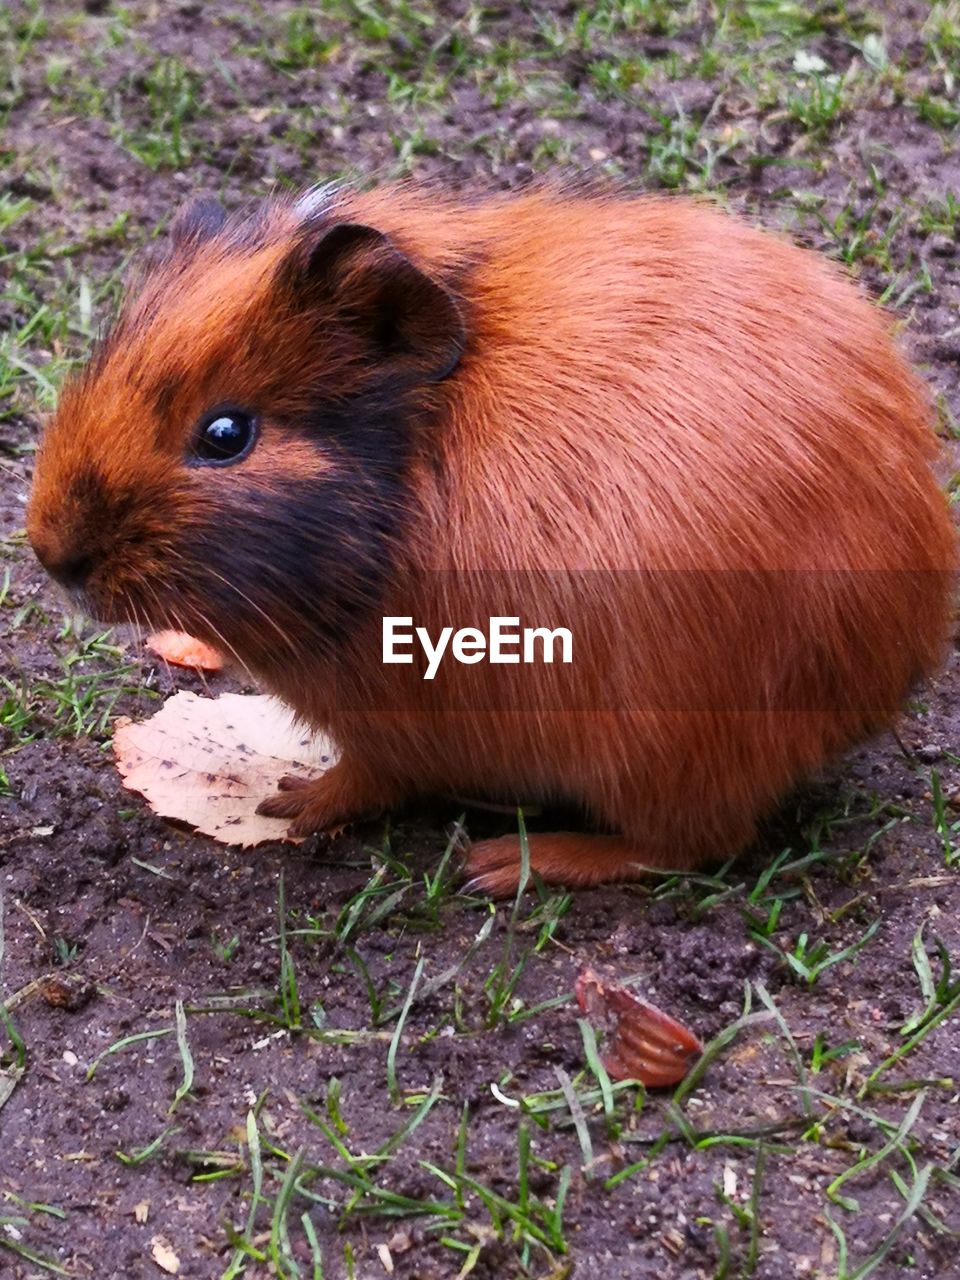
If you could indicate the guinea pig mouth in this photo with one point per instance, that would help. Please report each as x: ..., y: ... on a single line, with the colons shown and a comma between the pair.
x: 84, y: 575
x: 79, y: 601
x: 128, y: 602
x: 146, y: 606
x: 106, y: 608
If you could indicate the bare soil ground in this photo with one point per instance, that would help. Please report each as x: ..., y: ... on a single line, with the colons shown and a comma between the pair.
x: 325, y: 1061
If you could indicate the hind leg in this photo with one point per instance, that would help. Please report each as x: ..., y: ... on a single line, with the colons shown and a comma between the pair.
x: 565, y: 857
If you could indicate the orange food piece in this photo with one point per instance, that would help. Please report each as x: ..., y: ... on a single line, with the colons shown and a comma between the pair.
x: 647, y: 1044
x: 184, y: 650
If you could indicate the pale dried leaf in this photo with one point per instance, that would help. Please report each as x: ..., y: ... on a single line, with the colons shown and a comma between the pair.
x: 210, y: 761
x: 164, y: 1256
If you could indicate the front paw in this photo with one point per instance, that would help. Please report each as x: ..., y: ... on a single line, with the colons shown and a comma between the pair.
x: 312, y: 806
x: 328, y: 803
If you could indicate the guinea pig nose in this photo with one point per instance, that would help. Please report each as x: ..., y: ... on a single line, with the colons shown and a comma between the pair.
x: 69, y: 570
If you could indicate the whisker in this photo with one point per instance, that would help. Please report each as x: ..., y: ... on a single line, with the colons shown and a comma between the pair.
x: 195, y: 608
x: 204, y: 618
x: 285, y: 638
x: 180, y: 626
x: 225, y: 643
x: 145, y: 588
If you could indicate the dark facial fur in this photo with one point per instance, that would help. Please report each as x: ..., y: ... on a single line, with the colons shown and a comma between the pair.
x: 330, y: 340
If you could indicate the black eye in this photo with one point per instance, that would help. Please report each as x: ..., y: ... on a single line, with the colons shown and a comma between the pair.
x: 224, y: 436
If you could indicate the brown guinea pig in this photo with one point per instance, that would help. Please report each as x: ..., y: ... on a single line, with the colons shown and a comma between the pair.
x: 688, y: 442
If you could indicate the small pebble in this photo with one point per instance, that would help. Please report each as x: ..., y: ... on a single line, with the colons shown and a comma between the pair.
x: 942, y: 245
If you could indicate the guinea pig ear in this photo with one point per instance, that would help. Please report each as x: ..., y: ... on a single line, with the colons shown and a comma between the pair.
x: 412, y: 323
x: 196, y: 222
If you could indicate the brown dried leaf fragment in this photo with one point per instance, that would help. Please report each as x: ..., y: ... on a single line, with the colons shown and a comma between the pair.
x: 67, y: 991
x: 646, y: 1043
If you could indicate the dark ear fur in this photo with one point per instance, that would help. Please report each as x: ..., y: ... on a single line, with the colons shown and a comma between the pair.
x: 412, y: 324
x: 197, y: 221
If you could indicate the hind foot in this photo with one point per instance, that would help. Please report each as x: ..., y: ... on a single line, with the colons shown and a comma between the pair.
x: 493, y: 866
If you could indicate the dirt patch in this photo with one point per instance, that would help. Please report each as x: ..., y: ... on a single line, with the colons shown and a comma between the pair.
x: 370, y: 1067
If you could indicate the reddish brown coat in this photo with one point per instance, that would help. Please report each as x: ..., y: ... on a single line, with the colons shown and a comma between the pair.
x: 691, y: 442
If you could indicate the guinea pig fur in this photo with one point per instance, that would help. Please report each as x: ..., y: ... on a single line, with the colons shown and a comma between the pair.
x: 688, y: 441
